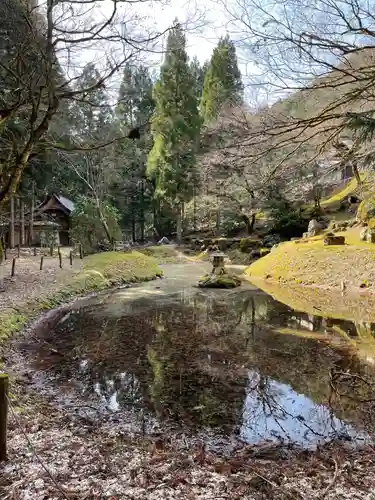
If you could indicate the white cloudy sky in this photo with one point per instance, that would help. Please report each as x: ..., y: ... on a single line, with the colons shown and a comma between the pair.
x: 204, y: 20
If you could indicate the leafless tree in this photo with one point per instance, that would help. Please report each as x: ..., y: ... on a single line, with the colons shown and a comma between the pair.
x: 318, y: 58
x: 235, y: 163
x: 43, y: 49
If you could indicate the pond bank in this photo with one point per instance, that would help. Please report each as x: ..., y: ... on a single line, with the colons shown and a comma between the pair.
x: 308, y: 263
x: 90, y: 455
x: 32, y: 291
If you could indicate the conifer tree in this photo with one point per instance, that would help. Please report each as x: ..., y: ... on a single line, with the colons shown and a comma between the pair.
x: 133, y: 193
x: 222, y: 82
x: 175, y: 128
x: 198, y: 72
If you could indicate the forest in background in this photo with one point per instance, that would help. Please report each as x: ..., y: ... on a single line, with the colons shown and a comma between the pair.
x: 179, y: 149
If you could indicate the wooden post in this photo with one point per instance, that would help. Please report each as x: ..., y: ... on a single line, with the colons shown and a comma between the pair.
x: 13, y: 272
x: 51, y: 250
x: 4, y: 247
x: 71, y: 258
x: 34, y: 251
x: 60, y: 259
x: 1, y: 265
x: 11, y: 228
x: 80, y: 251
x: 41, y: 262
x: 22, y: 220
x: 18, y: 250
x: 3, y: 415
x: 31, y: 231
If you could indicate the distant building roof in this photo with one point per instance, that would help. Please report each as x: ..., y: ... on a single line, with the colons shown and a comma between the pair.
x: 68, y: 204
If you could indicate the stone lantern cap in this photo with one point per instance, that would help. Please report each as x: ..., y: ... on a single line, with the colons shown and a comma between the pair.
x: 218, y: 253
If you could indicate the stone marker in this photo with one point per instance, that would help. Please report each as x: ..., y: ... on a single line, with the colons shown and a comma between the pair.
x: 334, y: 240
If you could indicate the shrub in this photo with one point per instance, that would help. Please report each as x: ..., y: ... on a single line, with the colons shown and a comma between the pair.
x: 371, y: 223
x: 366, y: 210
x: 87, y: 228
x: 247, y: 244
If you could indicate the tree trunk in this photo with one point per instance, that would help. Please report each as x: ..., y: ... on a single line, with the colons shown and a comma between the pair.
x: 250, y: 223
x: 356, y: 173
x: 218, y: 221
x: 11, y: 227
x: 22, y: 219
x: 103, y: 221
x: 179, y: 223
x: 142, y: 221
x: 134, y: 236
x: 31, y: 230
x: 2, y: 262
x: 194, y: 210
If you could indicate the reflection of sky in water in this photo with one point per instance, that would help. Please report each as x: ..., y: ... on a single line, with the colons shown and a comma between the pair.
x: 273, y: 410
x: 124, y: 388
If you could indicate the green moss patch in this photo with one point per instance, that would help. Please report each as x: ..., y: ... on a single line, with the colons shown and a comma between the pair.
x: 162, y: 253
x: 99, y: 272
x: 308, y: 276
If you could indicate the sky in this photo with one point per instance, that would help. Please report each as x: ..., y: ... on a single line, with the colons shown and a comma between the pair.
x: 204, y: 21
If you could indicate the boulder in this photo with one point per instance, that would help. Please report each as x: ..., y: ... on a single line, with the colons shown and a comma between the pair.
x: 314, y: 228
x: 363, y: 234
x: 223, y: 280
x: 370, y: 237
x: 270, y: 240
x: 255, y: 254
x: 324, y: 223
x: 247, y: 244
x: 208, y: 242
x: 163, y: 241
x: 334, y: 240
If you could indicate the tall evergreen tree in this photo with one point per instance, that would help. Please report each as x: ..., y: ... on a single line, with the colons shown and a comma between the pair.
x: 222, y: 82
x: 175, y: 128
x: 133, y: 192
x: 198, y: 73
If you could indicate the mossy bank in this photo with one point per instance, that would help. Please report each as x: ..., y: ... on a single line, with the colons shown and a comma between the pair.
x: 336, y: 281
x: 98, y: 272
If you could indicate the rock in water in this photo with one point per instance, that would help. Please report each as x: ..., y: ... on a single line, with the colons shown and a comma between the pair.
x: 219, y: 281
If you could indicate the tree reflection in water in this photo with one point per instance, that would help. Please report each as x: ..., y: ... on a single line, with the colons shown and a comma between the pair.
x: 216, y: 360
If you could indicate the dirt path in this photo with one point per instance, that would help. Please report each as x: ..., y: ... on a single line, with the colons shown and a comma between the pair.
x: 29, y: 281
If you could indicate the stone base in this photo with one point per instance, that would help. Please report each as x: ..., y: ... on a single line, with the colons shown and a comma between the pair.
x: 219, y: 281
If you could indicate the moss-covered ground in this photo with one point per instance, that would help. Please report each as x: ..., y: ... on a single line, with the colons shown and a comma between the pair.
x: 162, y: 253
x: 336, y: 281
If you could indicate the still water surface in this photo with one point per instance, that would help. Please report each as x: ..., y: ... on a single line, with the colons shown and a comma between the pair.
x: 211, y: 363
